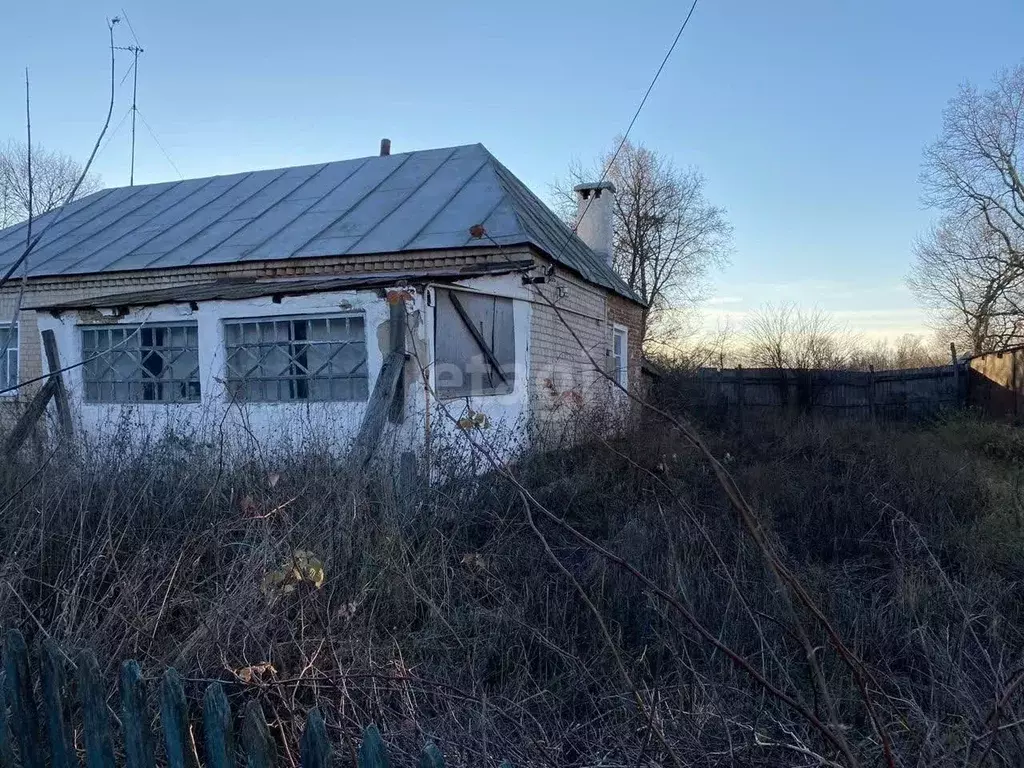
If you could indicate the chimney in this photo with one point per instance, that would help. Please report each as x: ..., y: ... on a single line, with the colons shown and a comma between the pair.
x: 595, y: 208
x: 385, y: 147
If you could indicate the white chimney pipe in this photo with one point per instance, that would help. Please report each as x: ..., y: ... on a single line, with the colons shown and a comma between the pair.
x: 595, y: 212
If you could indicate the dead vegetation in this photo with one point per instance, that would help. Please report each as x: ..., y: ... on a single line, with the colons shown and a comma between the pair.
x: 873, y: 616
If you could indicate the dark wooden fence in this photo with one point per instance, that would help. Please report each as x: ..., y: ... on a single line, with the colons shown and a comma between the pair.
x: 901, y: 394
x: 22, y: 742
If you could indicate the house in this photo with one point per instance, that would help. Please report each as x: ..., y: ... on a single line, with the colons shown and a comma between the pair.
x: 396, y: 293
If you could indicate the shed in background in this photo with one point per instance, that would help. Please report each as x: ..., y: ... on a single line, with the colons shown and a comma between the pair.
x: 996, y: 383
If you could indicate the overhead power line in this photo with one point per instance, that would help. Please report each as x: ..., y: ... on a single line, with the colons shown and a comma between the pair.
x: 654, y: 81
x: 636, y: 115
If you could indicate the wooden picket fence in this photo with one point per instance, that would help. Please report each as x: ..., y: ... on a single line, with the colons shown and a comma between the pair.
x: 20, y: 730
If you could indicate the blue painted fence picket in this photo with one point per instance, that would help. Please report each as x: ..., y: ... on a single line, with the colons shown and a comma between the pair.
x: 30, y: 741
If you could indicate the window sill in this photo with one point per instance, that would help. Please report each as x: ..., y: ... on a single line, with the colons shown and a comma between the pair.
x: 142, y: 402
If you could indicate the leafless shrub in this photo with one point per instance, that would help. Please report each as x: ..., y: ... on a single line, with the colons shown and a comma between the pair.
x: 788, y: 336
x: 440, y: 614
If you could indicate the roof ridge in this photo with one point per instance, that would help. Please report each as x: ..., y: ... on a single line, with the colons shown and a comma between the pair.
x: 492, y: 161
x: 613, y: 280
x: 293, y: 167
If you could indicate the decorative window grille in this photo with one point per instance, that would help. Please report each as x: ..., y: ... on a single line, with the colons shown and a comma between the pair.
x: 155, y: 363
x: 301, y: 358
x: 474, y: 344
x: 8, y: 359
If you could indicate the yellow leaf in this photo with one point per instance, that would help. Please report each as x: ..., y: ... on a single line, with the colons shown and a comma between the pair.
x: 255, y: 672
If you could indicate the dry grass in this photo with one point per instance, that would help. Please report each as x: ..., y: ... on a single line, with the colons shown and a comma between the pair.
x: 442, y: 615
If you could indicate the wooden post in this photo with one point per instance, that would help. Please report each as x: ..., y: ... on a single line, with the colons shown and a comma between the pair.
x: 99, y: 750
x: 60, y: 393
x: 956, y: 375
x: 217, y: 728
x: 741, y: 395
x: 256, y: 740
x: 377, y: 408
x: 372, y: 753
x: 7, y: 759
x: 138, y: 742
x: 53, y: 388
x: 431, y: 756
x: 397, y: 340
x: 316, y: 749
x: 24, y: 716
x: 871, y: 391
x: 36, y: 408
x: 55, y: 709
x: 174, y: 718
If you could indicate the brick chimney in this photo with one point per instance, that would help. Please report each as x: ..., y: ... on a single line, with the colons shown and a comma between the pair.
x: 385, y: 147
x: 595, y: 203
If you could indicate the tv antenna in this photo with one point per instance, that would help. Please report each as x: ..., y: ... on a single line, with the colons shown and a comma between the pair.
x: 135, y: 50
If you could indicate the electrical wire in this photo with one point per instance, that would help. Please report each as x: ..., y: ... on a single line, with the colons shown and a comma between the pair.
x: 127, y: 72
x: 113, y: 133
x: 632, y: 122
x: 131, y: 29
x: 153, y: 134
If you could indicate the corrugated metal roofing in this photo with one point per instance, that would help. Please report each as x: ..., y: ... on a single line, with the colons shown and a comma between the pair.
x: 250, y: 288
x: 405, y: 202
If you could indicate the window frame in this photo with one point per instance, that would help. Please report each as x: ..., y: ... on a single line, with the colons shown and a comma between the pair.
x: 131, y: 331
x: 15, y: 349
x: 620, y: 372
x: 231, y: 380
x: 506, y: 384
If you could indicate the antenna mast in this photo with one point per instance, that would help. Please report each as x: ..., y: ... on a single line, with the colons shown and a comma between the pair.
x: 135, y: 50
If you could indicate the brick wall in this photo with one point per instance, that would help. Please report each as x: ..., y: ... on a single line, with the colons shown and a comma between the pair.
x: 630, y: 315
x: 563, y: 375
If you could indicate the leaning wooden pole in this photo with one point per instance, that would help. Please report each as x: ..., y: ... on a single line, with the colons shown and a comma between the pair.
x: 53, y: 389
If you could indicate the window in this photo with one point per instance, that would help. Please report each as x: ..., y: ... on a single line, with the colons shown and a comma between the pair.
x: 8, y: 359
x: 154, y: 363
x: 306, y: 358
x: 474, y: 344
x: 620, y: 356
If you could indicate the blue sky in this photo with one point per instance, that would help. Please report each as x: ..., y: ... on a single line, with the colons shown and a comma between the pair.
x: 808, y: 118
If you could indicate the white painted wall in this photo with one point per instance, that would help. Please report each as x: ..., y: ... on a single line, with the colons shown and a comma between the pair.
x: 278, y: 426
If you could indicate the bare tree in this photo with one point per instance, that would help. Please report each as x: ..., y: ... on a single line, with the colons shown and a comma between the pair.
x: 53, y: 177
x: 909, y: 350
x: 785, y: 336
x: 668, y: 236
x: 971, y: 285
x: 968, y: 270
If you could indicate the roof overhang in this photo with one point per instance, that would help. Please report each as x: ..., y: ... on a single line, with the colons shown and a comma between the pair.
x: 242, y: 289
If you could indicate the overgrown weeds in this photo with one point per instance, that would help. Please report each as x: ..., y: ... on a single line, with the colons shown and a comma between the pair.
x: 437, y: 611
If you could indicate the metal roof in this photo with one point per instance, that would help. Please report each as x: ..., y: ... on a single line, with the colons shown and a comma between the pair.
x: 383, y: 204
x: 250, y: 288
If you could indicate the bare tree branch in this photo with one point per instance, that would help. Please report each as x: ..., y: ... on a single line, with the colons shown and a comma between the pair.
x: 668, y: 236
x: 968, y: 270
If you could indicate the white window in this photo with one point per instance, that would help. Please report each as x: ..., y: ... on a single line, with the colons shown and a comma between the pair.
x: 474, y: 344
x: 154, y: 363
x: 620, y: 356
x: 8, y: 359
x: 298, y: 358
